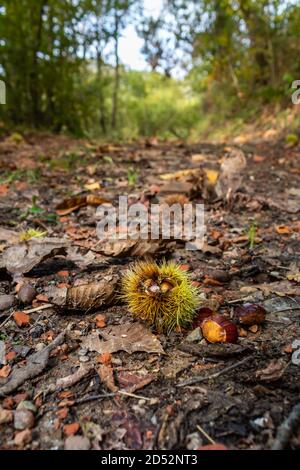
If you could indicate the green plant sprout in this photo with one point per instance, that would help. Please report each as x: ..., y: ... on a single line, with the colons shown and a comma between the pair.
x: 252, y: 231
x: 132, y: 176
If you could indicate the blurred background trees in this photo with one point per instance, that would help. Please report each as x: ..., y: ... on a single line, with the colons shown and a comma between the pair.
x: 207, y: 60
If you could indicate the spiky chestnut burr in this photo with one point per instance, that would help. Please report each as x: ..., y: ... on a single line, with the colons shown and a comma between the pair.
x: 161, y: 295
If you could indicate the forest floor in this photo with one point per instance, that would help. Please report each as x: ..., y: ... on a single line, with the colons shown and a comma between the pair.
x: 189, y: 393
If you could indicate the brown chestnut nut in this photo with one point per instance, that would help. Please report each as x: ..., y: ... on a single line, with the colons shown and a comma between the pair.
x: 218, y: 329
x: 201, y: 315
x: 249, y: 314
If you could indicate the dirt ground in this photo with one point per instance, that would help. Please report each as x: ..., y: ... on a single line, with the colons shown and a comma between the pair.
x: 193, y: 393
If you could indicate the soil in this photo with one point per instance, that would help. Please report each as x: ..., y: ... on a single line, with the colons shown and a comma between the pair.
x: 149, y: 400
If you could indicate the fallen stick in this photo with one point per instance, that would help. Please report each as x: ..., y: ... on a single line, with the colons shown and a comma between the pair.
x: 215, y: 375
x: 286, y: 429
x: 38, y: 309
x: 36, y: 363
x: 204, y: 433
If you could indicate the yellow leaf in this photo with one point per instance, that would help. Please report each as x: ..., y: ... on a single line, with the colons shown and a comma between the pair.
x: 212, y: 175
x: 179, y: 174
x: 92, y: 186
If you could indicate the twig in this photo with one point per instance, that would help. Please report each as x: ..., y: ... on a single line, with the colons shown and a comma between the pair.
x: 210, y: 439
x: 38, y: 309
x: 132, y: 395
x: 6, y: 320
x: 236, y: 301
x: 286, y: 429
x: 36, y: 363
x: 79, y: 401
x: 215, y: 375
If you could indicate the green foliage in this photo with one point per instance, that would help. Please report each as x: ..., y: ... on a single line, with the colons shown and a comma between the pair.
x: 252, y: 235
x: 60, y: 62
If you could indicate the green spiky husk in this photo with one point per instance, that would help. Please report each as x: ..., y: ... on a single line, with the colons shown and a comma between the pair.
x: 176, y: 308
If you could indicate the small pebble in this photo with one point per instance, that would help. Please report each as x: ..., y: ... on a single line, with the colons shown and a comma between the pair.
x: 193, y: 441
x: 83, y: 352
x: 37, y: 331
x: 28, y: 405
x: 22, y: 350
x: 40, y: 347
x: 26, y: 294
x: 195, y: 335
x: 6, y: 416
x: 22, y: 438
x: 77, y: 443
x: 6, y: 301
x: 23, y: 419
x: 84, y: 358
x: 219, y: 275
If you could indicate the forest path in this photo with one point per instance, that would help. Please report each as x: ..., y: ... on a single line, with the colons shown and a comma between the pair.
x: 136, y: 400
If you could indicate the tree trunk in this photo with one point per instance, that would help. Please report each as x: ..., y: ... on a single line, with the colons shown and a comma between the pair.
x: 34, y: 78
x: 117, y: 74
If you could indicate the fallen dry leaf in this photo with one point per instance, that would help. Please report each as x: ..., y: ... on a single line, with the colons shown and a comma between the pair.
x: 283, y: 229
x: 86, y: 297
x: 36, y: 363
x: 106, y: 375
x: 131, y: 247
x: 274, y: 371
x: 74, y: 203
x: 70, y: 380
x: 22, y: 258
x: 21, y: 318
x: 211, y: 447
x: 130, y: 337
x: 133, y: 382
x: 92, y: 186
x: 100, y: 321
x: 71, y: 429
x: 3, y: 189
x: 104, y: 358
x: 231, y: 174
x: 5, y: 371
x: 9, y: 236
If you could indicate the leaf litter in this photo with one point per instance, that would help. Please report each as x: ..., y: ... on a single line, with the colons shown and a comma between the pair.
x: 65, y: 358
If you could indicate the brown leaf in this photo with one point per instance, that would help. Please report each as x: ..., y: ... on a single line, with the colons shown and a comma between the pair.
x: 106, y: 375
x: 134, y: 382
x: 129, y: 337
x: 85, y: 297
x: 22, y: 258
x: 74, y: 203
x: 71, y: 429
x: 3, y: 189
x: 9, y: 236
x: 100, y: 321
x: 21, y: 318
x: 283, y: 229
x: 72, y: 379
x: 36, y: 363
x: 232, y: 173
x: 215, y: 446
x: 131, y: 247
x: 104, y: 358
x: 274, y: 371
x: 5, y: 371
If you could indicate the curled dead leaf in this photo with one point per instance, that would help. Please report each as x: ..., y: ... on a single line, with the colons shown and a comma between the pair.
x: 272, y: 372
x: 86, y: 297
x: 72, y: 204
